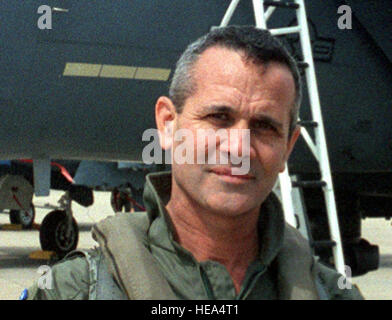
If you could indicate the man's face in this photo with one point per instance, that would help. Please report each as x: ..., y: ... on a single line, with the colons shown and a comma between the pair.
x: 233, y: 93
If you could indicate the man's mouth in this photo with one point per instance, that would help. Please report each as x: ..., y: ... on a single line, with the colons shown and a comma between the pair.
x: 227, y: 173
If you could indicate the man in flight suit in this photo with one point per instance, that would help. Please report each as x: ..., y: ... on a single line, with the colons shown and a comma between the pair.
x: 209, y: 233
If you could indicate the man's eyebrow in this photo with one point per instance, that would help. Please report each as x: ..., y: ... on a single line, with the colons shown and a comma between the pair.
x: 218, y: 108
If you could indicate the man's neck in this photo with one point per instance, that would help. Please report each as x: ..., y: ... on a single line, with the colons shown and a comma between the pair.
x: 229, y: 240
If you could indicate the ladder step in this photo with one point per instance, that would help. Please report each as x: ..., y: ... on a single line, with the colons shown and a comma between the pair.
x: 302, y: 64
x: 308, y: 123
x: 282, y: 4
x: 323, y: 244
x: 308, y: 184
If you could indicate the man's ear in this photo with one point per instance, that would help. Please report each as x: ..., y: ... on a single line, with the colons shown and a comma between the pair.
x: 165, y: 114
x: 290, y: 145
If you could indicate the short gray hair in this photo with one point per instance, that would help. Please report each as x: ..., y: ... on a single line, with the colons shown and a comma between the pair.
x: 258, y: 44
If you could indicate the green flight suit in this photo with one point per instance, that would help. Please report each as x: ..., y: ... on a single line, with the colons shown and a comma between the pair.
x: 284, y: 269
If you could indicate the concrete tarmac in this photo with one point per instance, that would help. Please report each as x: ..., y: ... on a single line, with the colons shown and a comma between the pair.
x: 18, y: 271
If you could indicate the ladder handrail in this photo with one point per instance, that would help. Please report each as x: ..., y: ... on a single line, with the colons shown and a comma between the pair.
x: 319, y: 147
x: 320, y: 136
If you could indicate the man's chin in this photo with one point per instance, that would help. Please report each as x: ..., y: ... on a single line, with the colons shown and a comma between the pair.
x: 232, y: 206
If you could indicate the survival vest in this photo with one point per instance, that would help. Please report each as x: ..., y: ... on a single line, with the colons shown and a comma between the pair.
x: 124, y: 268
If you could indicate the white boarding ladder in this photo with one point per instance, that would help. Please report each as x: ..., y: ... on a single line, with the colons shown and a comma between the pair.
x: 317, y: 147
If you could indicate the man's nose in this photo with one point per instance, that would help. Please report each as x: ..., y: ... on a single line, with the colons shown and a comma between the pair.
x: 239, y: 143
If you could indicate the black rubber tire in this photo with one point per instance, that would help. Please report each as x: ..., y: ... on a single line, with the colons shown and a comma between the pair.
x: 52, y: 233
x: 26, y: 221
x: 14, y: 216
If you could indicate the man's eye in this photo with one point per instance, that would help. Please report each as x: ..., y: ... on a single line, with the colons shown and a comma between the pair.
x: 219, y: 116
x: 262, y: 125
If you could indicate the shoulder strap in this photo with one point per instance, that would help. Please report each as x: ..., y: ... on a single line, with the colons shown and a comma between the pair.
x: 123, y: 242
x: 296, y: 276
x: 106, y: 287
x: 101, y: 284
x: 90, y: 257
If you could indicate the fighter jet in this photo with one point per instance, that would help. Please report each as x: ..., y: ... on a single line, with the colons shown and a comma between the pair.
x: 79, y: 80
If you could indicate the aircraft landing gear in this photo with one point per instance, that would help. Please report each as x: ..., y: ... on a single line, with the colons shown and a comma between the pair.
x: 59, y: 231
x: 23, y: 217
x: 57, y: 235
x: 121, y: 200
